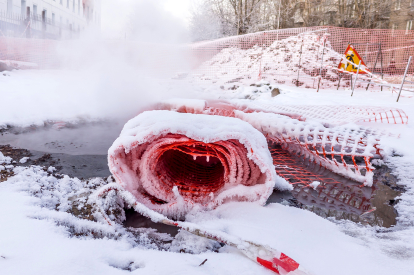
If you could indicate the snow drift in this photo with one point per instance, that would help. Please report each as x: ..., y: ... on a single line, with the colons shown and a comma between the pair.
x: 282, y: 62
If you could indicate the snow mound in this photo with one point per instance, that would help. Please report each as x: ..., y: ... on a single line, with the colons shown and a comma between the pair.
x: 282, y: 61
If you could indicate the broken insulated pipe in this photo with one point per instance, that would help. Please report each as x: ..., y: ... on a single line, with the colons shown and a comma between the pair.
x: 173, y: 162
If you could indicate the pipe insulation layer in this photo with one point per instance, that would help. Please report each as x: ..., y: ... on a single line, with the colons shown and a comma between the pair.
x: 174, y: 162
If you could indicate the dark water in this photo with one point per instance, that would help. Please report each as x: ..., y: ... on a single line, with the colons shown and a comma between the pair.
x: 136, y: 220
x: 81, y: 151
x: 75, y: 150
x: 342, y: 198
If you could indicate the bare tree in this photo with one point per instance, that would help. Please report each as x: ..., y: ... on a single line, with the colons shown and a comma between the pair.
x: 245, y: 16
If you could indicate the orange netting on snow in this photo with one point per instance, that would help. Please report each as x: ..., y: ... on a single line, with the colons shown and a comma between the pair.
x: 198, y: 169
x: 201, y: 169
x: 339, y: 114
x: 180, y: 160
x: 344, y: 150
x: 331, y: 191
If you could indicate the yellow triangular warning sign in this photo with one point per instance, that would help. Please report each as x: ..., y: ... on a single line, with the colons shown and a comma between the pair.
x: 353, y: 56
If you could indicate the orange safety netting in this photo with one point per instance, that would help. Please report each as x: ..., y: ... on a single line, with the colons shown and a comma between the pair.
x: 338, y: 114
x: 346, y: 151
x: 179, y: 161
x: 332, y: 192
x: 303, y: 55
x: 297, y: 57
x: 175, y: 167
x: 198, y: 169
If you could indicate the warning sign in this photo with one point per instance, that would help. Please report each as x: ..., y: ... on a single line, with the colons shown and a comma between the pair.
x: 353, y: 56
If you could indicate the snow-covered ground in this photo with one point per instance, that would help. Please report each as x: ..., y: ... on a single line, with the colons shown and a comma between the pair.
x: 38, y: 236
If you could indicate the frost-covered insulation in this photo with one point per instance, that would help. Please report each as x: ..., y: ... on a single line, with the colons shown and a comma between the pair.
x: 173, y: 162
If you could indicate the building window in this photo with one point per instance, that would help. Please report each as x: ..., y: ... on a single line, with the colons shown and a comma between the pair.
x: 23, y: 8
x: 53, y: 19
x: 397, y: 4
x: 9, y: 6
x: 61, y: 2
x: 67, y: 4
x: 80, y: 6
x: 35, y: 11
x: 73, y: 6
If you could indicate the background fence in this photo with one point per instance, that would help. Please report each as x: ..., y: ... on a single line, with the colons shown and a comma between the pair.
x: 43, y: 52
x: 297, y: 57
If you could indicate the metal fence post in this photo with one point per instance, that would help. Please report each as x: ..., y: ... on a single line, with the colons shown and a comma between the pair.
x: 405, y: 74
x: 356, y: 77
x: 320, y: 70
x: 300, y: 59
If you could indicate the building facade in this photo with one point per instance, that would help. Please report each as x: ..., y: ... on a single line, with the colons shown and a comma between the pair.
x: 367, y: 14
x: 48, y: 18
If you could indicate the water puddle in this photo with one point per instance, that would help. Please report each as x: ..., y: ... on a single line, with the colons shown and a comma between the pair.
x: 337, y: 196
x: 72, y: 139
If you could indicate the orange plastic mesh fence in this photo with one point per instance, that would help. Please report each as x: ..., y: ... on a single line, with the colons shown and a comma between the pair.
x: 295, y: 57
x: 298, y: 56
x: 330, y: 192
x: 42, y: 52
x: 339, y: 114
x: 346, y: 151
